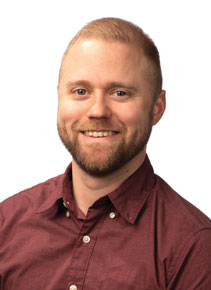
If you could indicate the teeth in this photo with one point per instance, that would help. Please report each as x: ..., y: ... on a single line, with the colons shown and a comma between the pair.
x: 98, y: 133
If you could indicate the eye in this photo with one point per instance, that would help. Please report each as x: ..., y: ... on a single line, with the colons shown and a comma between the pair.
x: 81, y: 92
x: 121, y: 93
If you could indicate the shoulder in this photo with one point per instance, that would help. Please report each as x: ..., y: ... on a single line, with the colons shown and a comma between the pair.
x: 178, y: 209
x: 177, y: 221
x: 183, y: 233
x: 29, y: 200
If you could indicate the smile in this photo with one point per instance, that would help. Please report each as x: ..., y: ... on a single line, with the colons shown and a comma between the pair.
x: 99, y: 133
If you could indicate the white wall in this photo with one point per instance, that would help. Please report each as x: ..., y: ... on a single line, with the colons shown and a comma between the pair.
x: 34, y: 35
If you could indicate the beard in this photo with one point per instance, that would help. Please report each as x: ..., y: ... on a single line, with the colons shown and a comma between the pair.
x: 116, y: 156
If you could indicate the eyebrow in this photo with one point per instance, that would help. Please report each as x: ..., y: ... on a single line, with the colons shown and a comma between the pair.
x: 107, y: 86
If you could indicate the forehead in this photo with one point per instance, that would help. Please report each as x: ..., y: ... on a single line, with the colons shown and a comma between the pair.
x: 89, y: 57
x: 106, y: 43
x: 96, y: 49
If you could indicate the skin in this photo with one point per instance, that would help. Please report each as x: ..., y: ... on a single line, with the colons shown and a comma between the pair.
x: 102, y: 88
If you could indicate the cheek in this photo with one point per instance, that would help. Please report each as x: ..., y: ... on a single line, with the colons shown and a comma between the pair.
x: 131, y: 116
x: 68, y: 111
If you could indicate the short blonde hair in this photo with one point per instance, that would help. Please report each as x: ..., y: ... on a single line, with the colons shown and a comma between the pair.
x: 116, y: 29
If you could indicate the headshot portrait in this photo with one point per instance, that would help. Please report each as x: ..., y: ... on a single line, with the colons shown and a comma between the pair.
x: 106, y: 148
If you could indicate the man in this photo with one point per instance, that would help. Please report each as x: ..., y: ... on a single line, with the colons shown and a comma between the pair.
x: 108, y: 222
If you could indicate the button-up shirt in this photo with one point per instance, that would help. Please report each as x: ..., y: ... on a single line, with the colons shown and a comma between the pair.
x: 142, y: 236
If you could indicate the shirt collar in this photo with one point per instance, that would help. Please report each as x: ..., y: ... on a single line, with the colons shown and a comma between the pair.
x: 53, y: 190
x: 130, y: 197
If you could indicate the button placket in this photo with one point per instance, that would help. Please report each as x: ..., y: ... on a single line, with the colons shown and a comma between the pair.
x: 83, y: 250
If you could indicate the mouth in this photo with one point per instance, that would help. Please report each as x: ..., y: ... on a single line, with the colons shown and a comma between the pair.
x: 99, y: 134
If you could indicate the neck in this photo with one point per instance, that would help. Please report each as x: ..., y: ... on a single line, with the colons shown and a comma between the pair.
x: 87, y: 189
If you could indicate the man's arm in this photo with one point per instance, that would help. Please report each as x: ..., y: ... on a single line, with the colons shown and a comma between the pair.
x: 192, y: 264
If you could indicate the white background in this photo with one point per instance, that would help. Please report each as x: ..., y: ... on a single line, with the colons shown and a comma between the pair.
x: 33, y: 37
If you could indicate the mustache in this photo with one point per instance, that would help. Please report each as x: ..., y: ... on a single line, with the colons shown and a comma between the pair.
x: 98, y: 125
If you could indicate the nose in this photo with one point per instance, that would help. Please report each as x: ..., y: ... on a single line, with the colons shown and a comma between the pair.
x: 99, y: 108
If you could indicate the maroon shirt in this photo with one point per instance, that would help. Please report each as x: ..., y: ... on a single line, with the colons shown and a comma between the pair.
x: 142, y: 236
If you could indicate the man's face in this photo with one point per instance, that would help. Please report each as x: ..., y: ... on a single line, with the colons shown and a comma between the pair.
x: 105, y: 112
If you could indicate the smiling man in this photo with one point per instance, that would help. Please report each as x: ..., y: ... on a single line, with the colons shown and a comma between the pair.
x: 108, y: 222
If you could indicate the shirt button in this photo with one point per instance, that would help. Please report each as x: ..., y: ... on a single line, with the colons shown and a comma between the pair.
x: 112, y: 215
x: 73, y: 287
x: 86, y: 239
x: 67, y: 214
x: 65, y: 204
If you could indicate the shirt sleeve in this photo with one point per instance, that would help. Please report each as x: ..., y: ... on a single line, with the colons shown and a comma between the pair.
x: 192, y: 265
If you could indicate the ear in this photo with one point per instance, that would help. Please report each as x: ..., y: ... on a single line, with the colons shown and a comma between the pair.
x: 159, y: 107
